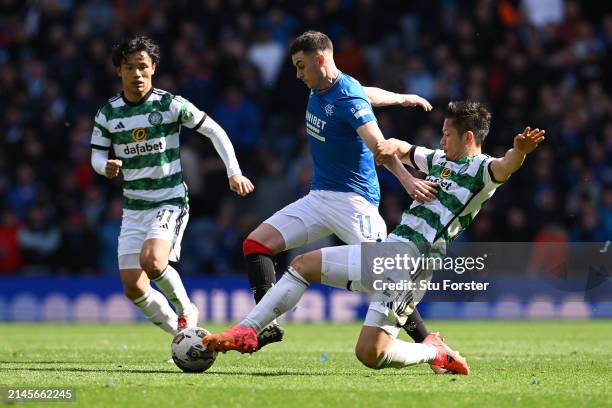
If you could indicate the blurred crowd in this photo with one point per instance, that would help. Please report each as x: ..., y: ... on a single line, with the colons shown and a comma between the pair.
x: 544, y: 63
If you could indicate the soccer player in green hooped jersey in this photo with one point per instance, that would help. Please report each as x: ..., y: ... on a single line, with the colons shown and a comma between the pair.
x: 466, y: 177
x: 142, y: 125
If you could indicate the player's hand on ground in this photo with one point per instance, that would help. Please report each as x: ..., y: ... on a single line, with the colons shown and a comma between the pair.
x: 421, y: 190
x: 527, y: 141
x: 385, y: 150
x: 411, y: 100
x: 241, y: 185
x: 112, y: 168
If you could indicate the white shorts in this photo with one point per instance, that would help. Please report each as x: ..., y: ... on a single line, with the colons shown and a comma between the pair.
x: 341, y: 268
x: 167, y: 222
x: 321, y: 213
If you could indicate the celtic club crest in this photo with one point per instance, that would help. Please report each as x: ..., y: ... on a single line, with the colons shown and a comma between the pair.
x: 155, y: 118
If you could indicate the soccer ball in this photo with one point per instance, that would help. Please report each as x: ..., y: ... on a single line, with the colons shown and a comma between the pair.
x: 188, y: 352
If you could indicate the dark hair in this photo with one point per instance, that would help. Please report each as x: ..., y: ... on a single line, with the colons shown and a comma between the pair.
x: 311, y: 41
x: 472, y: 116
x: 135, y: 44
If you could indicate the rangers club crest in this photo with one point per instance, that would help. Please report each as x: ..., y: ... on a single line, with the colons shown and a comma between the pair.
x: 329, y: 109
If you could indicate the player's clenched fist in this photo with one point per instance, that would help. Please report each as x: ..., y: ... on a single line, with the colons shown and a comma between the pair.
x: 112, y: 168
x: 241, y: 185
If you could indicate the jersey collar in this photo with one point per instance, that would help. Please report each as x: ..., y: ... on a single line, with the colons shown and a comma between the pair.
x: 140, y: 102
x: 463, y: 160
x: 332, y: 86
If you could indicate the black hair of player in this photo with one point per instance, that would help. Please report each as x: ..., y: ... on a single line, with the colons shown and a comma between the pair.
x: 135, y: 44
x: 472, y: 116
x: 310, y: 41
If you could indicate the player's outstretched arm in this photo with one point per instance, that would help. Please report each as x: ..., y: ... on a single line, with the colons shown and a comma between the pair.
x: 524, y: 143
x: 420, y: 190
x: 379, y: 97
x: 387, y: 148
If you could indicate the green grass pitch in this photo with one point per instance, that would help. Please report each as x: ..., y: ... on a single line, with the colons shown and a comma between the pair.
x: 517, y: 364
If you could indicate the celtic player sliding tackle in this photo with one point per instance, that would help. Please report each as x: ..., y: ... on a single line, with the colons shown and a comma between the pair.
x: 466, y: 177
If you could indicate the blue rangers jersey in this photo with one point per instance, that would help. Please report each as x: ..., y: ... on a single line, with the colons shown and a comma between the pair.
x: 341, y: 160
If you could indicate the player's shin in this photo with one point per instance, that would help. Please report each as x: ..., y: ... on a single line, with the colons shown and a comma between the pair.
x: 156, y: 308
x: 415, y: 327
x: 282, y: 297
x: 260, y: 267
x: 403, y: 354
x: 170, y: 283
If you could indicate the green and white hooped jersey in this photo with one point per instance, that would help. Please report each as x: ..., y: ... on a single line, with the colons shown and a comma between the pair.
x: 145, y: 136
x: 464, y: 186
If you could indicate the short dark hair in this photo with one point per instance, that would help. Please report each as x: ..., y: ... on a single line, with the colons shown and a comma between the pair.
x: 311, y: 41
x: 472, y: 116
x: 135, y: 44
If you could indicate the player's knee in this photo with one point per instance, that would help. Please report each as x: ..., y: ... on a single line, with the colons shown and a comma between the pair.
x: 368, y: 356
x: 265, y: 239
x: 309, y: 265
x: 298, y: 264
x: 252, y: 246
x: 152, y: 264
x: 303, y: 265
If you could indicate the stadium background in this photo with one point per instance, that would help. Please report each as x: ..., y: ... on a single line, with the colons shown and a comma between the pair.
x: 543, y: 63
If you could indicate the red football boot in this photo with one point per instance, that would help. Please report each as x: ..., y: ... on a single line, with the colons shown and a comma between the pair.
x: 239, y: 338
x: 446, y: 358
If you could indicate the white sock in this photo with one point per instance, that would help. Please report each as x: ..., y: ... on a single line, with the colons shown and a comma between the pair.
x: 169, y: 282
x: 156, y: 308
x: 282, y: 297
x: 274, y: 322
x: 403, y: 354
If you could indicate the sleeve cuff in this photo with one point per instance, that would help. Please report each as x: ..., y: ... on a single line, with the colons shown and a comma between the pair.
x: 492, y: 176
x: 233, y: 171
x: 411, y: 153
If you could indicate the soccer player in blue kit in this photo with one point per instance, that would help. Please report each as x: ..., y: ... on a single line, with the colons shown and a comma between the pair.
x: 345, y: 193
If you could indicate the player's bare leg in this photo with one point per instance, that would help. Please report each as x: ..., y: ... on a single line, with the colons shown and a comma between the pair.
x: 371, y: 346
x: 135, y: 283
x: 153, y: 304
x: 377, y: 349
x: 154, y: 261
x: 269, y: 236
